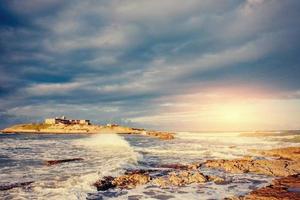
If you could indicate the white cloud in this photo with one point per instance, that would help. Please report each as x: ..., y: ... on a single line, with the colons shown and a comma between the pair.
x: 166, y: 70
x: 53, y: 88
x: 124, y: 49
x: 111, y: 37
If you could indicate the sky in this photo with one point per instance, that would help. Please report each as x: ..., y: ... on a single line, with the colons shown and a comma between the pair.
x: 193, y: 65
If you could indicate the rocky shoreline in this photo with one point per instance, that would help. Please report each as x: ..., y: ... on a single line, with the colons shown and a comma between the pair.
x: 285, y: 186
x: 283, y: 164
x: 174, y: 175
x: 84, y: 129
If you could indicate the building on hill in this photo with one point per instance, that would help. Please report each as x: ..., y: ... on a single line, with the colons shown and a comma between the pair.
x: 50, y: 121
x: 64, y: 120
x: 112, y: 125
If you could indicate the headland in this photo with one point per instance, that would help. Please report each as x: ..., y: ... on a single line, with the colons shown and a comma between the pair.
x: 61, y: 125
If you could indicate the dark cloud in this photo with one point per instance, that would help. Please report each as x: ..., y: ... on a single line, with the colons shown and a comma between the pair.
x: 133, y: 55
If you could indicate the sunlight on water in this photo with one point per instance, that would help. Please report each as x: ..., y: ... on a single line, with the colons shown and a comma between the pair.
x: 22, y: 156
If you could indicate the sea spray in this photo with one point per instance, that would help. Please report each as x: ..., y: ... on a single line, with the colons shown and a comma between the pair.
x: 112, y: 146
x: 106, y: 154
x: 103, y: 154
x: 100, y: 141
x: 113, y: 153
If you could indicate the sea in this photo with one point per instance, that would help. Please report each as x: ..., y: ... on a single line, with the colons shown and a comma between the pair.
x: 23, y: 156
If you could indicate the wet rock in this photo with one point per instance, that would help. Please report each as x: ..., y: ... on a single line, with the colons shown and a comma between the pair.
x: 289, y: 153
x: 55, y: 162
x: 163, y: 179
x: 153, y: 173
x: 280, y: 189
x: 194, y: 166
x: 218, y: 180
x: 160, y: 135
x: 141, y: 171
x: 180, y: 178
x: 105, y: 183
x: 266, y: 167
x: 128, y: 181
x: 9, y: 186
x: 131, y: 181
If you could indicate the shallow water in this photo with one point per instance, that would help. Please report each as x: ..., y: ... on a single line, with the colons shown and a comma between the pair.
x: 22, y: 156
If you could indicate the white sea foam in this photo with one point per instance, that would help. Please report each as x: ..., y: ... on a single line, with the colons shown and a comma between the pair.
x: 111, y: 146
x: 106, y: 154
x: 109, y: 154
x: 103, y: 140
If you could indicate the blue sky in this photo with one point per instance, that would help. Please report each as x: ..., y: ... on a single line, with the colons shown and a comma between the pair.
x: 172, y: 64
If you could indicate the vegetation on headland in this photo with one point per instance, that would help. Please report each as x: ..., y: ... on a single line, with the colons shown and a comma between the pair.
x: 33, y: 126
x: 40, y: 128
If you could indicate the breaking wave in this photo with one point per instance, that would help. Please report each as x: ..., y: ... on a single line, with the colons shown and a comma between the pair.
x: 106, y: 154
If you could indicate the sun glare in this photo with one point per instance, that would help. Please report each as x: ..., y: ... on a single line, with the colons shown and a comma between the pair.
x: 234, y: 113
x: 232, y: 116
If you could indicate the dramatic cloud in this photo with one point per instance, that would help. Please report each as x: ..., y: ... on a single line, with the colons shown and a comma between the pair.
x: 163, y: 64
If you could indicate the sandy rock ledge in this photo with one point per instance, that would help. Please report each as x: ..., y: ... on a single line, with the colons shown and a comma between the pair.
x: 173, y: 177
x: 286, y: 188
x: 285, y: 162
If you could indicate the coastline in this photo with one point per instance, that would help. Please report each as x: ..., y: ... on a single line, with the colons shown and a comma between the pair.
x: 282, y: 164
x: 255, y: 173
x: 83, y: 129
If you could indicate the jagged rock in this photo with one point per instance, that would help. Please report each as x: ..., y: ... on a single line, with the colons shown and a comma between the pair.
x: 289, y: 153
x: 105, y: 183
x: 55, y: 162
x: 180, y: 178
x: 193, y: 166
x: 218, y: 180
x: 160, y: 135
x: 128, y: 181
x: 141, y: 171
x: 266, y: 167
x: 131, y: 181
x: 9, y: 186
x: 163, y: 178
x: 287, y: 188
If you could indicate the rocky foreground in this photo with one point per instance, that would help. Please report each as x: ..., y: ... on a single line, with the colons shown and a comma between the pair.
x: 283, y: 164
x: 174, y: 175
x: 285, y: 188
x: 83, y: 129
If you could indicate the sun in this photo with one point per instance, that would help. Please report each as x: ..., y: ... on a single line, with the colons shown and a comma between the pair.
x: 232, y: 116
x: 233, y: 113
